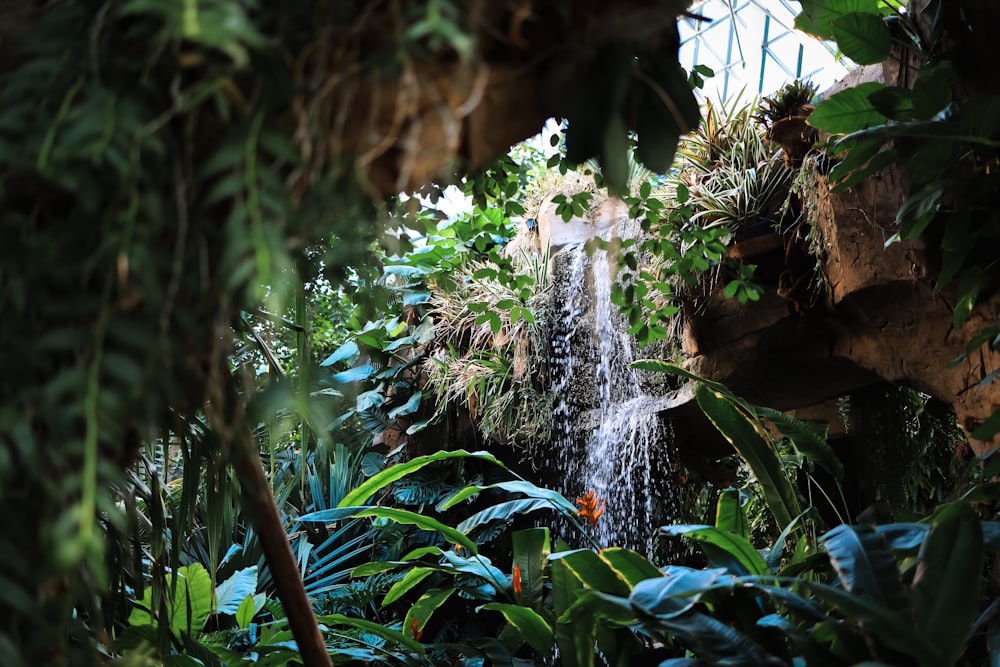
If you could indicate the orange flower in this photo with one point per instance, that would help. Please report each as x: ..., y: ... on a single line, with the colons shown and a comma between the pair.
x: 415, y: 629
x: 517, y: 581
x: 589, y: 508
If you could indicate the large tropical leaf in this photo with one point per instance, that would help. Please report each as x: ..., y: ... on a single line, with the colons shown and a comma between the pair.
x: 504, y: 511
x: 405, y: 517
x: 376, y: 629
x: 630, y: 566
x: 848, y: 111
x: 730, y: 515
x: 807, y: 438
x: 531, y: 549
x: 867, y: 567
x: 535, y: 630
x: 757, y: 452
x: 422, y: 609
x: 386, y: 477
x: 723, y: 548
x: 677, y: 591
x: 595, y: 572
x: 863, y: 37
x: 882, y: 625
x: 514, y: 486
x: 948, y: 581
x: 233, y: 591
x: 406, y: 584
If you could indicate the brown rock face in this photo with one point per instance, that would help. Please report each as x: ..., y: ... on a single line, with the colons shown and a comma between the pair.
x: 881, y: 319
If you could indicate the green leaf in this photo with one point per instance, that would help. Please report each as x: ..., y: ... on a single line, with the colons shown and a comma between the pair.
x: 595, y: 572
x: 863, y: 37
x: 614, y: 155
x: 399, y: 516
x: 867, y: 567
x: 932, y: 90
x: 245, y: 612
x: 892, y: 630
x: 809, y: 439
x: 723, y: 548
x: 988, y: 428
x: 630, y: 566
x: 848, y: 111
x: 379, y: 481
x: 677, y: 591
x: 376, y: 629
x: 355, y: 374
x: 535, y: 630
x: 348, y: 353
x: 422, y: 609
x: 970, y: 282
x: 404, y: 585
x: 894, y: 102
x: 513, y: 486
x: 503, y: 512
x: 918, y: 211
x: 818, y: 16
x: 757, y: 452
x: 730, y: 516
x: 948, y: 581
x: 408, y: 408
x: 531, y: 548
x: 232, y: 592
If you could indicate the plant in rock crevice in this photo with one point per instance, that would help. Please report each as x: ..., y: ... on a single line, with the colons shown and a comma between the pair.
x: 943, y: 127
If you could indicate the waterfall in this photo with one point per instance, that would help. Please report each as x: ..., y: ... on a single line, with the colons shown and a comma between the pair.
x: 608, y: 435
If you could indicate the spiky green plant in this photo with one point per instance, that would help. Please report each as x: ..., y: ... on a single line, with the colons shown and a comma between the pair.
x: 492, y: 348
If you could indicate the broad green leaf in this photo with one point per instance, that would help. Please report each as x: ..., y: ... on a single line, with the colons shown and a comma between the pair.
x: 348, y: 353
x: 892, y: 629
x: 918, y: 211
x: 595, y: 572
x: 232, y: 592
x: 408, y: 408
x: 730, y: 516
x: 818, y: 16
x: 848, y: 111
x: 478, y: 566
x: 948, y: 581
x: 355, y: 374
x: 809, y: 439
x: 723, y: 548
x: 535, y: 630
x: 566, y: 589
x: 195, y: 600
x: 677, y: 591
x: 376, y: 629
x: 867, y: 567
x: 531, y: 548
x: 904, y: 538
x: 404, y: 585
x: 630, y: 566
x: 988, y: 428
x: 504, y: 511
x: 404, y: 517
x: 863, y: 37
x: 513, y: 486
x: 248, y: 609
x: 757, y: 452
x: 423, y: 609
x: 970, y: 281
x: 379, y: 481
x: 932, y: 90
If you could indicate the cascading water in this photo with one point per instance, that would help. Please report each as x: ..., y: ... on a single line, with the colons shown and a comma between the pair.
x: 607, y: 433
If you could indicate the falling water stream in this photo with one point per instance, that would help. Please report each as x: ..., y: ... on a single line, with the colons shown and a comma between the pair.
x: 607, y: 433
